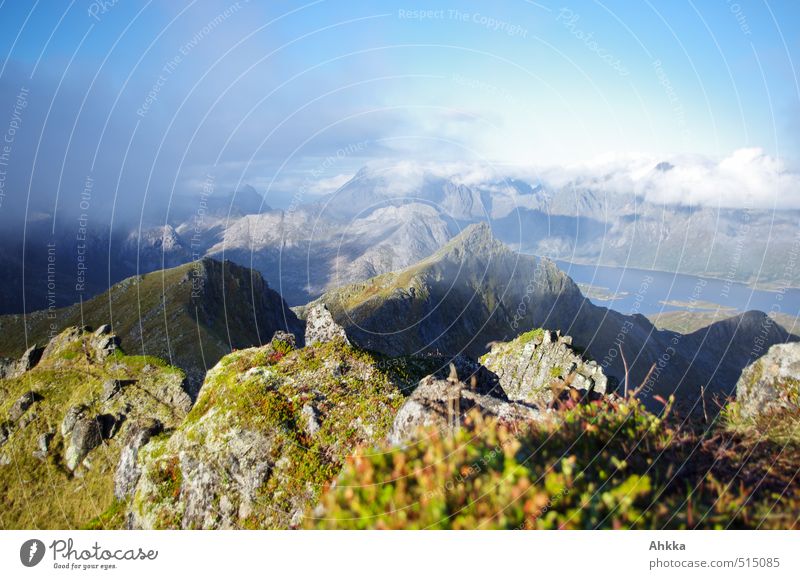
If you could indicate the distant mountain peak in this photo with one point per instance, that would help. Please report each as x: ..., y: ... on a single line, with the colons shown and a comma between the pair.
x: 476, y: 239
x: 191, y: 315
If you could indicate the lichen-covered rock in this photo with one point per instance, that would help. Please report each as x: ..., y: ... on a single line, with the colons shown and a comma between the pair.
x: 444, y: 404
x: 321, y: 327
x: 104, y: 345
x: 128, y: 471
x: 770, y: 383
x: 73, y: 412
x: 286, y: 337
x: 22, y: 405
x: 309, y: 414
x: 43, y: 444
x: 86, y: 436
x: 15, y: 368
x: 111, y: 388
x: 71, y: 416
x: 270, y: 427
x: 535, y: 365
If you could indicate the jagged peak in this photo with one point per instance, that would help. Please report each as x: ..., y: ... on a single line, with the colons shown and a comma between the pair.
x: 214, y: 266
x: 476, y: 238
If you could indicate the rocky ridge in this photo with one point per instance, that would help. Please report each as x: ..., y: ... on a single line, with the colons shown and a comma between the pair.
x: 65, y: 421
x: 270, y: 427
x: 476, y: 291
x: 190, y: 315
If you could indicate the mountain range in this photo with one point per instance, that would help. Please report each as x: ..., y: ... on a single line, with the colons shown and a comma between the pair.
x: 385, y: 219
x: 476, y: 290
x: 257, y: 409
x: 473, y: 291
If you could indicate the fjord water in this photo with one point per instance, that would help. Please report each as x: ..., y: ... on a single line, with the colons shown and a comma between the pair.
x: 631, y: 290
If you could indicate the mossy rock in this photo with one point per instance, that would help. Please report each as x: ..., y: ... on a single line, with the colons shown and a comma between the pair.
x: 38, y: 487
x: 269, y: 429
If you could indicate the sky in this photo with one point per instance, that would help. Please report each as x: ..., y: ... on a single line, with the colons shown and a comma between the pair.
x: 128, y: 104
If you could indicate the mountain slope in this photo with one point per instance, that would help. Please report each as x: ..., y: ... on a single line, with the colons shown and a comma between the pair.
x: 309, y: 253
x: 588, y: 220
x: 191, y: 315
x: 476, y: 290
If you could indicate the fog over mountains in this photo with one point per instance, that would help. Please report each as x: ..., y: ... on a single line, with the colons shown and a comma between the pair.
x: 387, y: 217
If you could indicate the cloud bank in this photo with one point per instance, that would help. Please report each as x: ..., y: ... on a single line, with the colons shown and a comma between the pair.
x: 747, y: 178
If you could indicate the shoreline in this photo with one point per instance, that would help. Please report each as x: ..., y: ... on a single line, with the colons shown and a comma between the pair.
x: 769, y: 286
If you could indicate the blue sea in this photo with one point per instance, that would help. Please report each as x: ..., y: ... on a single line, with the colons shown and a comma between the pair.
x: 630, y: 290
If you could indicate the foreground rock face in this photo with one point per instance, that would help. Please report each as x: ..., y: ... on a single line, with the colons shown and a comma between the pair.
x: 65, y: 421
x: 15, y: 368
x: 532, y: 367
x: 271, y: 426
x: 320, y: 326
x: 517, y: 382
x: 770, y: 383
x: 128, y: 471
x: 443, y: 404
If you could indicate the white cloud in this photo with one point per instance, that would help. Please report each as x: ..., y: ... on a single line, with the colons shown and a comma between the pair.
x: 407, y: 176
x: 329, y: 185
x: 745, y: 178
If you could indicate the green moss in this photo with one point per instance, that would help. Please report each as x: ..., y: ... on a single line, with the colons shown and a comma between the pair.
x: 354, y: 397
x: 52, y: 496
x: 530, y: 336
x: 112, y: 518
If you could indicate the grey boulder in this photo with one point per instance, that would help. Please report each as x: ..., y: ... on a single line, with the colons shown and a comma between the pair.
x: 770, y: 383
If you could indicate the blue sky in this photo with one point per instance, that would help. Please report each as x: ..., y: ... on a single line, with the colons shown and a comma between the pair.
x: 264, y: 93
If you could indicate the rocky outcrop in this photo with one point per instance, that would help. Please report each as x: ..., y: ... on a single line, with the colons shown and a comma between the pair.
x: 74, y: 420
x: 321, y: 327
x: 128, y: 471
x: 85, y: 437
x: 770, y: 383
x: 517, y: 381
x: 270, y: 427
x: 92, y: 346
x: 444, y: 404
x: 22, y: 405
x: 536, y: 365
x: 43, y: 445
x: 71, y: 416
x: 14, y: 368
x: 19, y: 415
x: 103, y: 342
